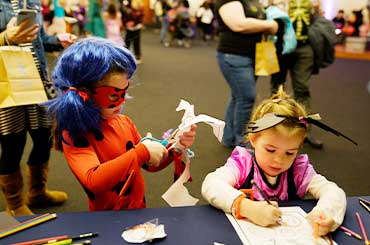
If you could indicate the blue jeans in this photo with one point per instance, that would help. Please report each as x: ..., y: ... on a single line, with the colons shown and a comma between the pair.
x: 239, y: 74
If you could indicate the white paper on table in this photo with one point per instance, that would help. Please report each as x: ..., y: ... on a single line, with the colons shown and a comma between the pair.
x: 177, y: 194
x: 295, y: 229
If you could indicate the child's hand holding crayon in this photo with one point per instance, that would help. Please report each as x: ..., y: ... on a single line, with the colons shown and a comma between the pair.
x: 321, y: 222
x: 260, y: 212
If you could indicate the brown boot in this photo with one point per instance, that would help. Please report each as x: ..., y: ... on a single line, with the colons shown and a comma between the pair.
x: 12, y: 187
x: 38, y: 194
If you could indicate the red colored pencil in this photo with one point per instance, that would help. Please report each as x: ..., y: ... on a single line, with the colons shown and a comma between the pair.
x: 42, y: 240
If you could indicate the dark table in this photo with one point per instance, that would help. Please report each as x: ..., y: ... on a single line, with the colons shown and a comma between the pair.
x: 183, y: 225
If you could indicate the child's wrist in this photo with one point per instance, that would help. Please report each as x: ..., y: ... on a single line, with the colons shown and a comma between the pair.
x: 235, y: 209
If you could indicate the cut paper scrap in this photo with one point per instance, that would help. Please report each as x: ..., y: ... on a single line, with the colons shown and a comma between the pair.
x: 295, y: 229
x: 177, y: 195
x: 144, y: 232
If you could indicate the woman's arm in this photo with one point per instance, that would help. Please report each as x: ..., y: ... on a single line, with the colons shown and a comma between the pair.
x: 232, y: 14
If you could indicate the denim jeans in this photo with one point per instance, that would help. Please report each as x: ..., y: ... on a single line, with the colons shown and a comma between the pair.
x: 238, y: 72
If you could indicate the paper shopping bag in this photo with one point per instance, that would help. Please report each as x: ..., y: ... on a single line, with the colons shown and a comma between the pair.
x: 20, y: 82
x: 266, y: 62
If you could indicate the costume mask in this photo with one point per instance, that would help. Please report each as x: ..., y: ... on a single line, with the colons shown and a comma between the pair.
x: 109, y: 97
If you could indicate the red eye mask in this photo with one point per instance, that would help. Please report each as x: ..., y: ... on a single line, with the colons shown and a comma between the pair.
x: 109, y: 97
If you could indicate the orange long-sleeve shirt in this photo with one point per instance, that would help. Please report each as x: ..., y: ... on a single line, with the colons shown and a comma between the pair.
x: 110, y: 169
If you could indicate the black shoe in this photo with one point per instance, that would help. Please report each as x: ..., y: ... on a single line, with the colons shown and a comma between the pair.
x: 317, y: 144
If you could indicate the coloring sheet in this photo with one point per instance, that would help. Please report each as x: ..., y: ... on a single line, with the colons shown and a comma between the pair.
x: 294, y: 229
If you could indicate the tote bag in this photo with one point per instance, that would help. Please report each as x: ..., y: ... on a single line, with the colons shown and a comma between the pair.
x: 20, y: 82
x: 266, y: 62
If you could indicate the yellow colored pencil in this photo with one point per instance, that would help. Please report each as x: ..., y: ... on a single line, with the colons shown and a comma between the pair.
x: 28, y: 225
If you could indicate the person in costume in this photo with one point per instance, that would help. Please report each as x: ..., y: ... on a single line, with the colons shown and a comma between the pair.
x: 300, y: 63
x: 102, y: 147
x: 272, y: 169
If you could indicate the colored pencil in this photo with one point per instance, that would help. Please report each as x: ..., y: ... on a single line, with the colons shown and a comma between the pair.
x: 364, y: 205
x: 362, y: 228
x: 261, y: 192
x: 41, y: 240
x: 24, y: 222
x: 27, y: 224
x: 72, y: 239
x: 350, y: 232
x: 364, y: 200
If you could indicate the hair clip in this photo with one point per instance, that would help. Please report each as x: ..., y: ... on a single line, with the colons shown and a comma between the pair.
x: 314, y: 120
x: 270, y: 120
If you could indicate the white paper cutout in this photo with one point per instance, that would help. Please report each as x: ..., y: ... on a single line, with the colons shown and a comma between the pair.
x: 295, y: 229
x: 190, y: 118
x: 144, y: 232
x: 177, y: 195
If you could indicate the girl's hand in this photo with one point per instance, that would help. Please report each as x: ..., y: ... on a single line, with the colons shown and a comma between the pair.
x: 260, y: 212
x: 156, y: 150
x: 21, y: 33
x: 187, y: 138
x: 321, y: 222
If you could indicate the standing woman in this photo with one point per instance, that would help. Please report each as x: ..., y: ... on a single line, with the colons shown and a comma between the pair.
x: 17, y: 121
x: 241, y: 25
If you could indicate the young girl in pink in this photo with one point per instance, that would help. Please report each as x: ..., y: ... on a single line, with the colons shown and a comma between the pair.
x: 273, y: 165
x: 113, y: 24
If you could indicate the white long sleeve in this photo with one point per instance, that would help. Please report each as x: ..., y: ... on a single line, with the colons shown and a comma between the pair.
x: 331, y: 198
x: 218, y: 188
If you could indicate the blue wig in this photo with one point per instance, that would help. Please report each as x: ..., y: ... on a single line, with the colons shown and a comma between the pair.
x: 80, y: 66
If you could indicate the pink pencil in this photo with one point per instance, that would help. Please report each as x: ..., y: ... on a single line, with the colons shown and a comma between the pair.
x: 350, y: 232
x: 362, y: 228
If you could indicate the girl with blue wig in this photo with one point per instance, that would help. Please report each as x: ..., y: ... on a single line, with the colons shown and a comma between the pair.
x: 102, y: 147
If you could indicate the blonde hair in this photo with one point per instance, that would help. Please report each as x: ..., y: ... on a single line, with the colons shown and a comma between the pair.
x: 282, y: 104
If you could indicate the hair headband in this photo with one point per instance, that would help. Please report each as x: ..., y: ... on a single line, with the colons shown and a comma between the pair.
x: 271, y: 119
